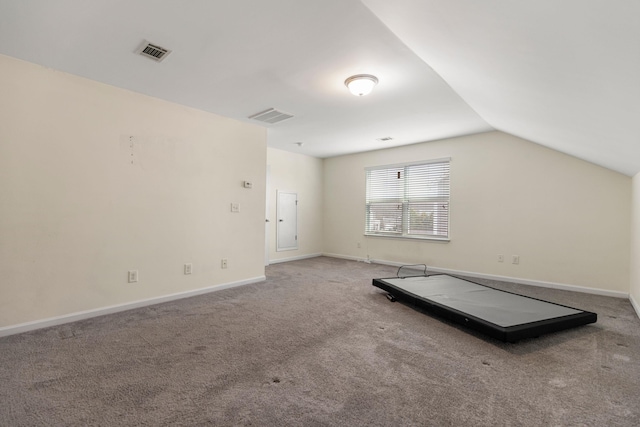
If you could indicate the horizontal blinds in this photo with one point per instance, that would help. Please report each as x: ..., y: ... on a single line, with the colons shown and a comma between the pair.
x: 425, y: 182
x: 409, y: 200
x: 385, y: 194
x: 428, y: 219
x: 384, y: 218
x: 385, y: 185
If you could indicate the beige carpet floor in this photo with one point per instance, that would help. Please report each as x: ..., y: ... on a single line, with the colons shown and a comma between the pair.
x: 317, y: 345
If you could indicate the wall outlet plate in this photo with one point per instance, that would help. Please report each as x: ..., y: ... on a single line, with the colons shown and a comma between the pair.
x: 132, y: 276
x: 188, y: 268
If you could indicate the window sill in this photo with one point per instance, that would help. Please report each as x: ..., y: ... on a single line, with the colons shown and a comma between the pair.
x: 391, y: 236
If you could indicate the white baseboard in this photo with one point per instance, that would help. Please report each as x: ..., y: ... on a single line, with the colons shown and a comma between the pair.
x: 74, y: 317
x: 348, y: 257
x: 634, y: 304
x: 295, y: 258
x: 539, y: 283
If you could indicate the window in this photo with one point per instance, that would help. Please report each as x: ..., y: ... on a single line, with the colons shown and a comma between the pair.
x: 409, y: 200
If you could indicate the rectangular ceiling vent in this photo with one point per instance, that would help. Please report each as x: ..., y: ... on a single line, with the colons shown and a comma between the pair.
x: 153, y: 51
x: 385, y: 139
x: 271, y: 116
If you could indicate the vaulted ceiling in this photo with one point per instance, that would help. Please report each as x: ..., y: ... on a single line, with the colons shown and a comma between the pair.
x: 561, y: 74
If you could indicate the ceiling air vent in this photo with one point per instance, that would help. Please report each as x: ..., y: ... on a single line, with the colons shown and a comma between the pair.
x: 153, y: 51
x: 384, y: 139
x: 271, y: 116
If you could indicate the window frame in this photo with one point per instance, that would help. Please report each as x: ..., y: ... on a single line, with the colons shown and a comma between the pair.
x: 406, y: 201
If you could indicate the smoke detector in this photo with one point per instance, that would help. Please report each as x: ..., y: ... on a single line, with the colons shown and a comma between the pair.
x: 153, y: 51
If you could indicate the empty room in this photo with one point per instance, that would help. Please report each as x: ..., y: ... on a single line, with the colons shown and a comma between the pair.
x: 230, y: 213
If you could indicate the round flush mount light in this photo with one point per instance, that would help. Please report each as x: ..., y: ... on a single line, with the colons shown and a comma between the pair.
x: 361, y: 84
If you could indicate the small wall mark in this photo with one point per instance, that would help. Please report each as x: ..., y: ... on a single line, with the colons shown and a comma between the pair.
x: 131, y: 140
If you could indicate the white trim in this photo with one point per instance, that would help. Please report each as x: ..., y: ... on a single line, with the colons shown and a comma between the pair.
x: 347, y: 257
x: 400, y: 165
x: 542, y: 284
x: 539, y: 283
x: 82, y: 315
x: 408, y: 236
x: 635, y: 305
x: 295, y: 258
x: 267, y: 213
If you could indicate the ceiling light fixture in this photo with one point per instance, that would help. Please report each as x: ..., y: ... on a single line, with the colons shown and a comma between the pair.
x: 361, y: 84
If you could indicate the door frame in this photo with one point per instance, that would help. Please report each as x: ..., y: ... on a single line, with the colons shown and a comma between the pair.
x: 267, y: 220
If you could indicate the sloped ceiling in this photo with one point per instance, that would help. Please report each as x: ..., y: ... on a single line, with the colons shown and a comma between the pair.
x: 565, y: 74
x: 561, y: 74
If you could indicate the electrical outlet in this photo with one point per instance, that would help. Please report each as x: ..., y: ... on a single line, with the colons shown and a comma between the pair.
x: 188, y: 268
x: 223, y: 263
x: 358, y: 245
x: 235, y: 207
x: 133, y: 276
x: 515, y: 259
x: 500, y: 258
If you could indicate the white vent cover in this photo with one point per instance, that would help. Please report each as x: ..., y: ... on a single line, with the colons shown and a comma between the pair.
x: 153, y: 51
x: 385, y: 139
x: 271, y: 116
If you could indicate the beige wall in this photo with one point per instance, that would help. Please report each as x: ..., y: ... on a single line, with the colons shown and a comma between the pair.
x: 634, y: 290
x: 96, y: 181
x: 303, y: 175
x: 568, y: 220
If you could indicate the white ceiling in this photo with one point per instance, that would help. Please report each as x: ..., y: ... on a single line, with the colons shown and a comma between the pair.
x: 561, y: 74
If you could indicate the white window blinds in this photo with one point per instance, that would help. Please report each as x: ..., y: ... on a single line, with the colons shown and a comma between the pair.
x: 409, y: 200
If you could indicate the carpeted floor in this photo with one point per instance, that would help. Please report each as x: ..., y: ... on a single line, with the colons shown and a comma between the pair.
x: 316, y: 344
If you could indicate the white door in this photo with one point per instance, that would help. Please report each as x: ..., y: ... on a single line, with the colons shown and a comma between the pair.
x: 287, y: 225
